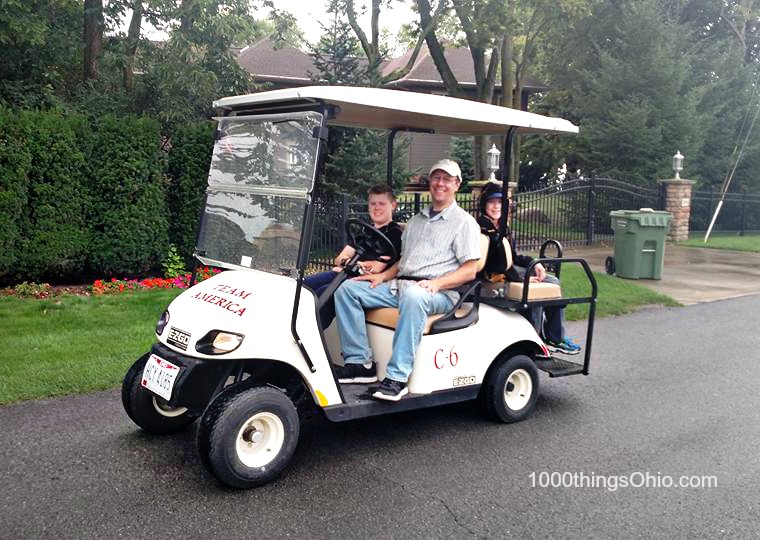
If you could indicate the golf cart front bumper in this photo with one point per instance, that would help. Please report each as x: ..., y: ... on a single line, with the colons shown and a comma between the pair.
x: 198, y: 380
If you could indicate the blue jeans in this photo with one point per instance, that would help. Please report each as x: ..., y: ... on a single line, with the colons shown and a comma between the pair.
x: 318, y: 283
x: 415, y: 304
x: 553, y: 326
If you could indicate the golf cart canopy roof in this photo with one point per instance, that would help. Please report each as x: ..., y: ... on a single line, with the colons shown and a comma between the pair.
x: 395, y: 109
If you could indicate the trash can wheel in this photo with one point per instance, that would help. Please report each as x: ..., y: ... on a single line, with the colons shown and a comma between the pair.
x: 609, y: 265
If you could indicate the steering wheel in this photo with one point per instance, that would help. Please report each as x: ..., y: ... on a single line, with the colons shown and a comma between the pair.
x: 369, y: 243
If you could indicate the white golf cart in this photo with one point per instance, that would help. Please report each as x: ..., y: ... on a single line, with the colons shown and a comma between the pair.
x: 245, y: 352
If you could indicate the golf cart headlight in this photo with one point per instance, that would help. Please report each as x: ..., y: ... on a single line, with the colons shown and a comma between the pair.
x: 218, y: 342
x: 162, y: 322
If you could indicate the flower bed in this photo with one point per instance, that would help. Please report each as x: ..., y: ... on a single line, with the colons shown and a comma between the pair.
x: 182, y: 281
x: 114, y: 286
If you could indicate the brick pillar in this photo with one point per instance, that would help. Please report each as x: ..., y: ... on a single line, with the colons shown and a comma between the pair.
x: 678, y: 202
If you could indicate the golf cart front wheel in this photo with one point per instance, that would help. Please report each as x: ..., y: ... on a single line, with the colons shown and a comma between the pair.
x: 510, y: 390
x: 247, y: 438
x: 149, y: 411
x: 609, y: 265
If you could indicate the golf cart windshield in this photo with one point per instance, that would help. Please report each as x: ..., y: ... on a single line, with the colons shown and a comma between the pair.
x: 262, y: 171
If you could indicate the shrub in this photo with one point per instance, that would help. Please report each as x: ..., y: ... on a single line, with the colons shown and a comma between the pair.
x: 173, y: 265
x: 15, y: 160
x: 188, y: 166
x: 55, y: 229
x: 130, y: 218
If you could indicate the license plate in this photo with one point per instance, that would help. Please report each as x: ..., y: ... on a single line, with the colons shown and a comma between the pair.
x: 159, y: 376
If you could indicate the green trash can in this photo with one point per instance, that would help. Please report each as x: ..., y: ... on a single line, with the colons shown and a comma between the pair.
x: 639, y: 242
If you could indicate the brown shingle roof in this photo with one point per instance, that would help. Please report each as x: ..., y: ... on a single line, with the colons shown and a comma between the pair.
x: 290, y: 65
x: 459, y: 59
x: 266, y: 63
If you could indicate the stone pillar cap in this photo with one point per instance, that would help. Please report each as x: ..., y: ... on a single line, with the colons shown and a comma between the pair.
x: 684, y: 181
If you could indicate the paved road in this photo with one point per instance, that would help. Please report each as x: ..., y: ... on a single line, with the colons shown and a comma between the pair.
x: 673, y: 392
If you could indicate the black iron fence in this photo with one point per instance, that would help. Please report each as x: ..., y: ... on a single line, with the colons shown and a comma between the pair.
x: 574, y: 212
x: 740, y: 212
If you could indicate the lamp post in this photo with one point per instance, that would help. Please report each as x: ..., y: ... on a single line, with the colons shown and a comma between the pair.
x: 493, y: 161
x: 678, y: 164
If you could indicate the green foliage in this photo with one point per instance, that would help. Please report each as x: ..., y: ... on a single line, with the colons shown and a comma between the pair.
x: 173, y: 264
x: 55, y: 227
x: 630, y: 85
x: 130, y: 218
x: 15, y: 160
x: 356, y: 158
x: 336, y: 55
x: 41, y: 44
x: 461, y: 152
x: 32, y: 290
x: 188, y: 166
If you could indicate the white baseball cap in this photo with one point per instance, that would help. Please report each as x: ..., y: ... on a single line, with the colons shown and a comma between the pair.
x: 448, y: 165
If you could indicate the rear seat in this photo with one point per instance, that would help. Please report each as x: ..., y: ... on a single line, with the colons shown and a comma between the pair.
x: 512, y: 290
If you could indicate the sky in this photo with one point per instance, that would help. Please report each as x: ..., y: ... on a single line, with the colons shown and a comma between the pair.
x: 309, y: 13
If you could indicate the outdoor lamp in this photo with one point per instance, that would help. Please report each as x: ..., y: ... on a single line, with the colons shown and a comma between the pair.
x: 493, y: 161
x: 678, y: 164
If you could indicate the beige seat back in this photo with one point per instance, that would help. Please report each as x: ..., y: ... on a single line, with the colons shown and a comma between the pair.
x: 513, y: 290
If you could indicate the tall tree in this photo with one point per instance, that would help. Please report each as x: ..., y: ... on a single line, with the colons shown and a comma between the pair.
x: 355, y: 157
x: 42, y: 46
x: 374, y: 49
x: 93, y: 37
x: 625, y: 75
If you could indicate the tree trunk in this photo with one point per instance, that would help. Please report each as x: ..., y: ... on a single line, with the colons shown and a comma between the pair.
x: 93, y: 37
x: 436, y: 52
x: 133, y: 38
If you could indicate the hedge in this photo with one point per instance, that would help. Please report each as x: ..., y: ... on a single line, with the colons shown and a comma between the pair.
x: 14, y: 164
x: 83, y: 198
x: 188, y: 166
x: 55, y: 232
x: 130, y: 222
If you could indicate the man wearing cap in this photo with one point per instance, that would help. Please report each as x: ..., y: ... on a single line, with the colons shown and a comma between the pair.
x: 440, y: 249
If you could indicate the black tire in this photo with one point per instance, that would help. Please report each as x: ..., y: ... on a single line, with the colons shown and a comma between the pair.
x: 609, y: 265
x: 247, y: 438
x: 149, y: 411
x: 510, y: 390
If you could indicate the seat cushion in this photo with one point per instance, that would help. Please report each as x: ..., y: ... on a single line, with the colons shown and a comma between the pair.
x: 388, y: 317
x: 536, y: 291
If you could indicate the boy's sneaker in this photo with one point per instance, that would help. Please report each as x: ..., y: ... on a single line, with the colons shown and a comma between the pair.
x: 357, y: 373
x: 566, y: 346
x: 390, y: 390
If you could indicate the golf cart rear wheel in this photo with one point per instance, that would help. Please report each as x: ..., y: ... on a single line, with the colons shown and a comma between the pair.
x: 510, y: 390
x: 149, y: 411
x: 247, y: 438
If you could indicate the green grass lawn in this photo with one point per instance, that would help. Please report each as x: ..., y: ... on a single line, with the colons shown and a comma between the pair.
x: 615, y: 296
x: 75, y: 344
x: 748, y: 242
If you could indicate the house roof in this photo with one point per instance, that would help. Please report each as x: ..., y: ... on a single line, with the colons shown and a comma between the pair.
x: 393, y: 109
x: 286, y: 64
x: 425, y: 73
x: 290, y: 65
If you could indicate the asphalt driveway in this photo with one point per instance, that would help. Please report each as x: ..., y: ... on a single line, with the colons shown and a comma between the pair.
x: 673, y: 392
